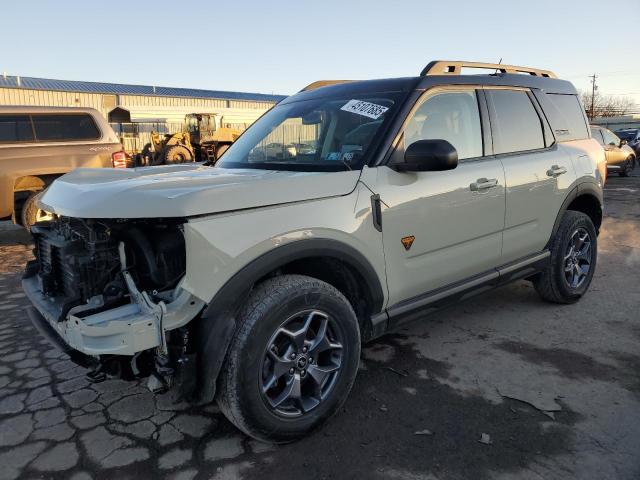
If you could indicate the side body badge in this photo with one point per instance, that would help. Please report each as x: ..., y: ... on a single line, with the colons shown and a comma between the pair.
x: 407, y: 241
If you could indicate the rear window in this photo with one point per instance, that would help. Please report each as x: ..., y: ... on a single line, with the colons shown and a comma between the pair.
x: 516, y: 126
x: 15, y: 128
x: 69, y: 127
x: 565, y: 114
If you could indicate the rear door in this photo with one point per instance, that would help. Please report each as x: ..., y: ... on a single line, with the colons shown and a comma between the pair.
x: 538, y: 172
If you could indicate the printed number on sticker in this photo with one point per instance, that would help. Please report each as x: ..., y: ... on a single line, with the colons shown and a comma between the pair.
x: 366, y: 109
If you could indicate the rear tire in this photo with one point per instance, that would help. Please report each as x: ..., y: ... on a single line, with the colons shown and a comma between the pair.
x: 30, y: 213
x: 276, y: 386
x: 177, y: 154
x: 574, y: 252
x: 627, y: 168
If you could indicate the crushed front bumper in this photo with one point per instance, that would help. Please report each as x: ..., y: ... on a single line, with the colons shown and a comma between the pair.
x: 123, y: 330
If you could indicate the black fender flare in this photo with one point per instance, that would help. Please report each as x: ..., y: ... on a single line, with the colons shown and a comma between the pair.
x: 217, y: 324
x: 586, y: 188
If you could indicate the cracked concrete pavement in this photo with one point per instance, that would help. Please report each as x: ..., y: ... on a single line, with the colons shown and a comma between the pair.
x: 555, y: 389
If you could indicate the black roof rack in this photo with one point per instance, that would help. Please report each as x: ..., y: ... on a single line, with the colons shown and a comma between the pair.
x: 454, y: 67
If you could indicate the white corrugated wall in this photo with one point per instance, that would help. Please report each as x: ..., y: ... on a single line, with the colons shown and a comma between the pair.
x: 104, y: 103
x: 48, y: 98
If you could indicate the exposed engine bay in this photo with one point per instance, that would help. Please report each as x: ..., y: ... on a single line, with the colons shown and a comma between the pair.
x: 79, y: 259
x: 110, y: 289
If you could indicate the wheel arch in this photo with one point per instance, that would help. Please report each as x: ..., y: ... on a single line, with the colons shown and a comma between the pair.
x: 331, y: 261
x: 585, y: 198
x: 24, y: 185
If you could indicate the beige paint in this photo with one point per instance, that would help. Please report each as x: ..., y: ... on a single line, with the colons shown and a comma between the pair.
x: 458, y: 232
x: 22, y: 165
x: 534, y: 198
x: 220, y: 245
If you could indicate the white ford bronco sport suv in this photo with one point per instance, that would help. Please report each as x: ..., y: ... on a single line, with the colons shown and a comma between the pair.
x: 346, y: 210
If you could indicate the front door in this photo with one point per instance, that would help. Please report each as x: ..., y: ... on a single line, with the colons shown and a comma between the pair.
x: 440, y: 228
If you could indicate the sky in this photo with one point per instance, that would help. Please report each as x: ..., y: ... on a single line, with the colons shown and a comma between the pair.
x: 279, y: 46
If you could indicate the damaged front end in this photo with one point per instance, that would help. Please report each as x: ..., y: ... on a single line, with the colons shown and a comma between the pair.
x: 109, y: 293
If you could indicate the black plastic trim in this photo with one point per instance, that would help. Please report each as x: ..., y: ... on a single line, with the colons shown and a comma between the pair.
x: 217, y: 323
x: 579, y: 190
x: 376, y: 212
x: 419, y: 306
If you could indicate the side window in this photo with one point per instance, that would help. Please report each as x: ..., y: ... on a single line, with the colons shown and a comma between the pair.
x: 15, y: 128
x: 515, y: 124
x: 450, y: 116
x: 610, y: 138
x: 595, y: 133
x: 567, y: 117
x: 57, y: 128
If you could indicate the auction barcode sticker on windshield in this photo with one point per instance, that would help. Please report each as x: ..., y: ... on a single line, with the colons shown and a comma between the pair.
x: 367, y: 109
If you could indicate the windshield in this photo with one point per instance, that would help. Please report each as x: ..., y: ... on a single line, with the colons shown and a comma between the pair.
x: 326, y: 134
x: 626, y: 134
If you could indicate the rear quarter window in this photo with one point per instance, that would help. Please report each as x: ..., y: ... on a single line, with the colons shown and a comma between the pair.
x: 566, y: 116
x: 69, y: 127
x: 15, y: 129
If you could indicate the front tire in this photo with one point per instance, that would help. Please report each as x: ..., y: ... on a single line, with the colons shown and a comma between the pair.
x: 574, y: 251
x: 177, y: 154
x: 292, y: 360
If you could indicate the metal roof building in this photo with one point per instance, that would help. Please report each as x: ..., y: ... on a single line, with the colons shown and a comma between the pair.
x: 105, y: 97
x: 136, y: 110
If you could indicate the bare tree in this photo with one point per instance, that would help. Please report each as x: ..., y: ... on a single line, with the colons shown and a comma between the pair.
x: 606, y: 105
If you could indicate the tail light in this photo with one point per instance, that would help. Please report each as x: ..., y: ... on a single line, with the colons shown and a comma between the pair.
x: 119, y: 160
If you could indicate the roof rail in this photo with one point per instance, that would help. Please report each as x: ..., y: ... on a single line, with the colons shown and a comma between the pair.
x: 323, y: 83
x: 449, y: 67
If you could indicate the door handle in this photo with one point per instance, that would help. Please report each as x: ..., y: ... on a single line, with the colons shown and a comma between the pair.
x: 483, y: 184
x: 556, y: 170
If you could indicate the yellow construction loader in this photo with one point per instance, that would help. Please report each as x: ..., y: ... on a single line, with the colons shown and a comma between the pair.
x: 204, y: 138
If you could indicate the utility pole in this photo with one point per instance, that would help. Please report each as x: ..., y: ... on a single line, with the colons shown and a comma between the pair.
x: 593, y: 95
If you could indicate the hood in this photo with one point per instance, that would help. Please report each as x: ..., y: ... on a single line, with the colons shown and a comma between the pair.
x: 184, y: 190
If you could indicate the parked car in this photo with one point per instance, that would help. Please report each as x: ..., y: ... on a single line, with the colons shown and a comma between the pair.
x: 39, y: 144
x: 273, y: 150
x: 254, y: 282
x: 620, y: 157
x: 632, y: 137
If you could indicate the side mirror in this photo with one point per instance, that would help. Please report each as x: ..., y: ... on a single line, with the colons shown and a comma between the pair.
x: 623, y: 142
x: 428, y: 156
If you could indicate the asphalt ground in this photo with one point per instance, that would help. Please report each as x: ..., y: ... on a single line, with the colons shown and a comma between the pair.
x: 501, y: 386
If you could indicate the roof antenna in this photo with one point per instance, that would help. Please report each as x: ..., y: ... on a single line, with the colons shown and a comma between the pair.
x: 499, y: 63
